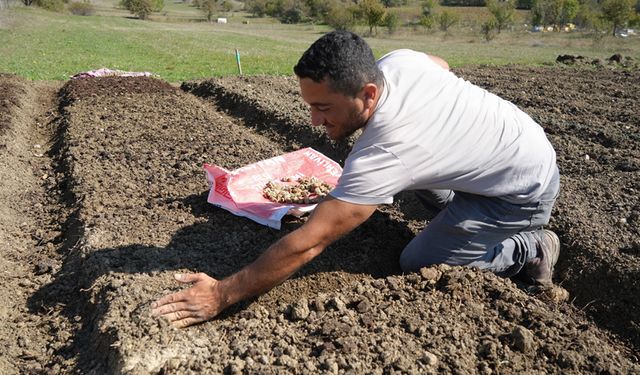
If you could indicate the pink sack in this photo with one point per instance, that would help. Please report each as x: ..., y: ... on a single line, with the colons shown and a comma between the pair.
x: 240, y: 191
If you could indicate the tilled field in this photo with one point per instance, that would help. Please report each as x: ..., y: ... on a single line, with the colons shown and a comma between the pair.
x: 104, y: 198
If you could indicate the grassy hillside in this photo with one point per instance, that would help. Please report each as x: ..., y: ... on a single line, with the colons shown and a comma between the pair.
x: 178, y: 45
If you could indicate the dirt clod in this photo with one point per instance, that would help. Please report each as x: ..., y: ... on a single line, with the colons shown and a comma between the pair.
x: 522, y: 339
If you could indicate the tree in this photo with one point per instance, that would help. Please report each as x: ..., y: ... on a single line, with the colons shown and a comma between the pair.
x: 275, y: 8
x: 294, y: 14
x: 429, y: 14
x: 257, y: 7
x: 502, y: 11
x: 568, y: 11
x: 209, y: 7
x: 429, y: 8
x: 338, y: 16
x: 52, y: 5
x: 141, y: 8
x: 617, y: 12
x: 545, y: 12
x: 446, y: 19
x: 226, y: 6
x: 588, y: 15
x: 488, y: 29
x: 317, y: 8
x: 554, y: 12
x: 391, y: 21
x: 373, y: 13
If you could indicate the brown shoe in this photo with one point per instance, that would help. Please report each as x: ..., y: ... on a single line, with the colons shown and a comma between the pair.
x: 540, y: 269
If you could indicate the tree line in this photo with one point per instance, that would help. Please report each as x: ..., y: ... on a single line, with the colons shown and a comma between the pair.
x: 594, y: 15
x: 345, y: 14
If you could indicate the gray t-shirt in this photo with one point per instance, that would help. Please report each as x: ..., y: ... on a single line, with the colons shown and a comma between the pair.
x: 434, y: 130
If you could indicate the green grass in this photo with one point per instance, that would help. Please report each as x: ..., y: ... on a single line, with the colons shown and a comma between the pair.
x: 42, y: 45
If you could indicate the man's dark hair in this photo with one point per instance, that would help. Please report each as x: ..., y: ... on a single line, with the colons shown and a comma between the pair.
x: 342, y: 57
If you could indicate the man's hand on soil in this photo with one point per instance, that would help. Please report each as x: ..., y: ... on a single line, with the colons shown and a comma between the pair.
x: 201, y: 302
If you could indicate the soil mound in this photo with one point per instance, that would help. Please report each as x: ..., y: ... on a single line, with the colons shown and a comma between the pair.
x: 272, y: 106
x: 112, y: 86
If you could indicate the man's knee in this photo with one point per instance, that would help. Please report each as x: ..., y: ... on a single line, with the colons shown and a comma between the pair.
x: 406, y: 264
x: 412, y: 260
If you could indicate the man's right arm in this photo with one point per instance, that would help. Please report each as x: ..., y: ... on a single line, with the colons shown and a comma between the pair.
x: 331, y: 219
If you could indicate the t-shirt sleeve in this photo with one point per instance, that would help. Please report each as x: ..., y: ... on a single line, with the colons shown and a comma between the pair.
x: 372, y: 175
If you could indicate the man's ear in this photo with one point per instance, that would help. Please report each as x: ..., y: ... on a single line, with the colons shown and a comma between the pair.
x: 370, y: 94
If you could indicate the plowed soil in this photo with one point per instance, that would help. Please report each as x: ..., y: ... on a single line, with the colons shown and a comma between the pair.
x: 104, y: 198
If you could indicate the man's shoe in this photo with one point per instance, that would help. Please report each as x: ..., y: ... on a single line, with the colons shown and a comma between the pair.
x: 540, y: 269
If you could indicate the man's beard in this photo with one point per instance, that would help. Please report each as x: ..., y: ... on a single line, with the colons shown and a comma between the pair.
x: 354, y: 122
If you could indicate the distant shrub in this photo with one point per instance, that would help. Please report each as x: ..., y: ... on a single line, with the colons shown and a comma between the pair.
x: 295, y: 14
x: 391, y: 22
x: 339, y: 17
x: 227, y: 6
x: 447, y: 19
x: 157, y: 5
x: 635, y: 21
x: 53, y: 5
x: 256, y: 7
x: 588, y: 16
x: 489, y: 29
x: 503, y: 13
x: 429, y: 8
x: 373, y: 13
x: 208, y: 7
x: 429, y: 14
x: 81, y: 9
x: 617, y: 12
x: 427, y: 22
x: 141, y: 8
x: 554, y: 12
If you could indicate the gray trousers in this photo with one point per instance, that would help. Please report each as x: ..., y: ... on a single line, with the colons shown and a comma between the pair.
x: 477, y: 231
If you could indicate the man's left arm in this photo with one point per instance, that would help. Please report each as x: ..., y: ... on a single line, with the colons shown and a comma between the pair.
x: 331, y: 219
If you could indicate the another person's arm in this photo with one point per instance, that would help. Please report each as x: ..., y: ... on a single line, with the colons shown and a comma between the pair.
x: 207, y: 297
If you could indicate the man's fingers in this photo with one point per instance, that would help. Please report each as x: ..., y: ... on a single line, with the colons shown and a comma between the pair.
x: 188, y: 277
x: 181, y: 315
x: 179, y: 296
x: 190, y: 306
x: 169, y: 299
x: 186, y: 322
x: 170, y: 308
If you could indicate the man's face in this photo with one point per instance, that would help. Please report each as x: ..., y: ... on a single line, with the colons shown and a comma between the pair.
x: 341, y: 115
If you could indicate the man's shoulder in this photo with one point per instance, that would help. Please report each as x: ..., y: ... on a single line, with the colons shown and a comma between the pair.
x: 401, y: 54
x: 407, y: 60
